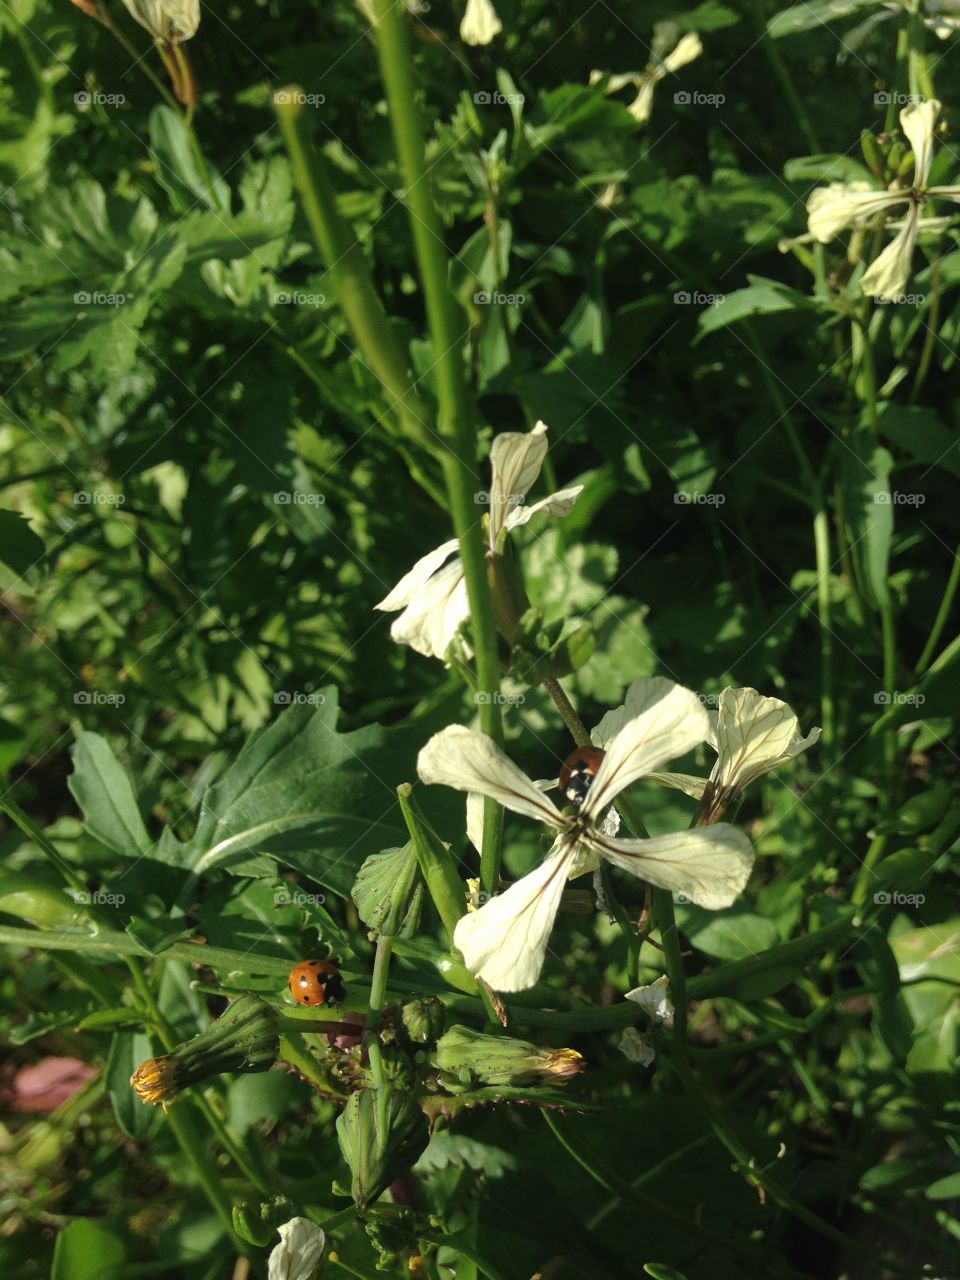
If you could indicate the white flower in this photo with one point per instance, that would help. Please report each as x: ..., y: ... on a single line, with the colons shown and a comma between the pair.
x: 480, y: 23
x: 505, y: 941
x: 843, y: 204
x: 433, y: 595
x: 637, y: 1047
x: 299, y: 1252
x: 168, y: 21
x: 688, y: 48
x: 653, y: 999
x: 751, y: 734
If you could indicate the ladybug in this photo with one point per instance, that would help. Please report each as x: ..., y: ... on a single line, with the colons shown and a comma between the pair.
x: 316, y: 982
x: 577, y: 773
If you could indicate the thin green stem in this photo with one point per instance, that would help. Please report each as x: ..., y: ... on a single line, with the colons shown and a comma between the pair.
x: 455, y: 415
x: 940, y: 621
x: 821, y: 542
x: 349, y: 273
x: 568, y: 714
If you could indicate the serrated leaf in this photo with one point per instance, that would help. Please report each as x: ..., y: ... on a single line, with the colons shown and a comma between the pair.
x: 378, y: 881
x: 101, y: 788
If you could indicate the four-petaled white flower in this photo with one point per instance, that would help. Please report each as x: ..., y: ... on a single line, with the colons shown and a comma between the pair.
x: 750, y: 733
x: 661, y: 65
x: 433, y: 595
x: 844, y: 204
x: 480, y: 23
x: 505, y: 941
x: 653, y: 999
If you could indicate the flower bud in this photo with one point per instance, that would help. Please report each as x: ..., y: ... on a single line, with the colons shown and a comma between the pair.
x: 473, y: 1057
x: 424, y: 1019
x: 257, y: 1222
x: 168, y: 21
x: 244, y: 1038
x: 381, y: 1133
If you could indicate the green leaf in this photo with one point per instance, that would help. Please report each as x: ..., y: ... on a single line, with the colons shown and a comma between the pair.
x: 379, y: 881
x: 868, y: 513
x: 826, y: 168
x: 921, y: 434
x: 947, y: 1188
x: 762, y: 297
x: 101, y: 788
x: 456, y: 1150
x: 84, y: 1250
x: 180, y: 171
x: 661, y: 1271
x: 20, y: 550
x: 302, y: 793
x: 127, y: 1050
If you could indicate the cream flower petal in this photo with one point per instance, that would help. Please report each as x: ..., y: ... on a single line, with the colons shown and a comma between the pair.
x: 299, y: 1252
x: 480, y: 23
x: 432, y: 619
x: 640, y: 696
x: 641, y: 108
x: 754, y: 735
x: 421, y: 573
x: 557, y: 504
x: 944, y: 193
x: 653, y: 999
x: 668, y: 727
x: 504, y: 943
x: 685, y: 782
x: 889, y: 273
x: 515, y: 461
x: 917, y: 122
x: 168, y: 20
x: 832, y: 208
x: 710, y: 865
x: 690, y: 47
x: 470, y: 761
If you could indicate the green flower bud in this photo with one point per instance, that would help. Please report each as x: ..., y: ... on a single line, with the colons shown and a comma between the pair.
x: 424, y: 1019
x: 244, y: 1038
x: 473, y: 1057
x: 381, y: 1133
x: 257, y: 1222
x: 872, y: 153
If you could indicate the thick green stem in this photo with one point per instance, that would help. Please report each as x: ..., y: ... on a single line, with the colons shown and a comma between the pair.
x: 455, y: 415
x: 350, y: 275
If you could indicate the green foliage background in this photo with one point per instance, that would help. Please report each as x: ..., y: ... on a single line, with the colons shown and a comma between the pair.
x: 206, y: 492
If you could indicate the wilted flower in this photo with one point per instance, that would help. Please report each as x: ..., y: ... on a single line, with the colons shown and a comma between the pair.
x: 244, y: 1038
x: 299, y: 1253
x: 433, y: 595
x: 480, y: 23
x: 843, y: 204
x: 505, y: 940
x: 637, y: 1047
x: 473, y: 1057
x: 662, y: 65
x: 169, y: 21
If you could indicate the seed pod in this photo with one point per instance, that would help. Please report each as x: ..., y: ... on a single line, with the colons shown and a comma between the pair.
x: 471, y: 1057
x: 244, y: 1038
